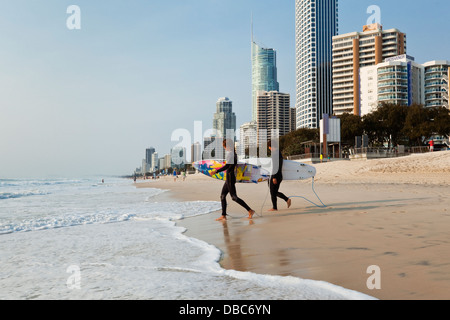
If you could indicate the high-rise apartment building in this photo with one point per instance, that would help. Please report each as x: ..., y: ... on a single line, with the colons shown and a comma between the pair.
x: 196, y: 152
x: 155, y: 163
x: 148, y: 157
x: 400, y: 80
x: 274, y: 113
x: 224, y: 118
x: 397, y: 80
x: 353, y: 51
x: 316, y: 22
x: 247, y: 136
x: 264, y: 72
x: 436, y: 75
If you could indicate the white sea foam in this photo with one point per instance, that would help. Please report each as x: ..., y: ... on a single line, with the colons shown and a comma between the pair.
x: 126, y: 245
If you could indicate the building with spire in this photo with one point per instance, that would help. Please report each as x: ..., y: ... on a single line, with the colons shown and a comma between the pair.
x: 264, y: 72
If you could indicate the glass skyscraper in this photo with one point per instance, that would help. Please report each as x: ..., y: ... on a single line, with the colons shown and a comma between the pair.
x: 316, y: 22
x: 264, y: 73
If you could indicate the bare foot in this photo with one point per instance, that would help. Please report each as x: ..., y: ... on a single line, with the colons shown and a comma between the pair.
x: 289, y: 203
x: 222, y: 218
x: 272, y: 209
x: 251, y: 213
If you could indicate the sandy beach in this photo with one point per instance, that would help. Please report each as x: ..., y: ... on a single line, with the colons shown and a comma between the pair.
x: 391, y: 213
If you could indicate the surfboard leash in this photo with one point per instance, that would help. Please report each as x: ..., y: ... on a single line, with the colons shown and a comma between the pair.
x: 265, y: 199
x: 312, y: 187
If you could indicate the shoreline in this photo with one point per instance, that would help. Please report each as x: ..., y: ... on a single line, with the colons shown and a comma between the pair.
x: 375, y: 214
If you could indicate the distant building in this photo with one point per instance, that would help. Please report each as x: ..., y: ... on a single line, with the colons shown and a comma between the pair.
x: 155, y: 162
x: 162, y: 163
x: 400, y: 80
x: 247, y: 133
x: 436, y: 75
x: 224, y: 118
x: 167, y: 161
x: 356, y: 50
x: 274, y: 114
x: 196, y: 152
x: 145, y: 167
x: 148, y: 157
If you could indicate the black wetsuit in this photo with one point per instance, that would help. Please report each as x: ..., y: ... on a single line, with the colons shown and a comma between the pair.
x: 274, y: 193
x: 230, y: 183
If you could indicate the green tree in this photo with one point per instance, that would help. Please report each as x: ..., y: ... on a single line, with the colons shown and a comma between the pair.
x: 373, y: 128
x: 291, y: 143
x: 386, y: 124
x: 351, y: 126
x: 394, y: 117
x: 441, y: 121
x: 418, y: 124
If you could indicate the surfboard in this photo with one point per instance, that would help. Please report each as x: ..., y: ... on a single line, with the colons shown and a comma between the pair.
x: 292, y: 170
x: 245, y: 172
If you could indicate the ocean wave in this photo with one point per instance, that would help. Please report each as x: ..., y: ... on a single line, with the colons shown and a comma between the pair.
x: 36, y: 182
x: 61, y: 222
x: 20, y: 194
x: 168, y: 211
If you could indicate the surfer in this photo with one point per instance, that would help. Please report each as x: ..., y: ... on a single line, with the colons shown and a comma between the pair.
x: 276, y: 177
x: 230, y: 182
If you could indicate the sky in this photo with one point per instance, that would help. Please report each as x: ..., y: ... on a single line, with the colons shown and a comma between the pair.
x: 89, y: 101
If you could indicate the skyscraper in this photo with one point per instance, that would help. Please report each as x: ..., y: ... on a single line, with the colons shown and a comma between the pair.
x: 224, y: 118
x: 316, y: 22
x: 264, y: 72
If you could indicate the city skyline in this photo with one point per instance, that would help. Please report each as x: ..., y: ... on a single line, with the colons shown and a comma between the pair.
x: 89, y: 101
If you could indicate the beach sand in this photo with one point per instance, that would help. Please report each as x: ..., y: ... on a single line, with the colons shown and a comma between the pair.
x: 391, y: 213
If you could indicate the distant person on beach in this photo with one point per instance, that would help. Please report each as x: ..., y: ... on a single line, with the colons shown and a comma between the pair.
x: 175, y: 175
x: 277, y: 177
x: 230, y: 182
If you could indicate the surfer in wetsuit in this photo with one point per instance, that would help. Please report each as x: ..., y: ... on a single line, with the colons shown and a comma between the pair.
x: 276, y: 177
x: 230, y: 182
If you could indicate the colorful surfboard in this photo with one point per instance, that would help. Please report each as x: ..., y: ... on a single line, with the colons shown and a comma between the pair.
x: 245, y: 172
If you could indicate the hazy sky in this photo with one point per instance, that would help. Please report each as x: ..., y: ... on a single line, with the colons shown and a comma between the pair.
x: 90, y: 101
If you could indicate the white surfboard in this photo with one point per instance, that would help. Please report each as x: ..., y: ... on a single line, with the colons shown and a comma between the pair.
x: 292, y: 170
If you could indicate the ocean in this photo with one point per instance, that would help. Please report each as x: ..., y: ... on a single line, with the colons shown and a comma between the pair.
x: 83, y: 239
